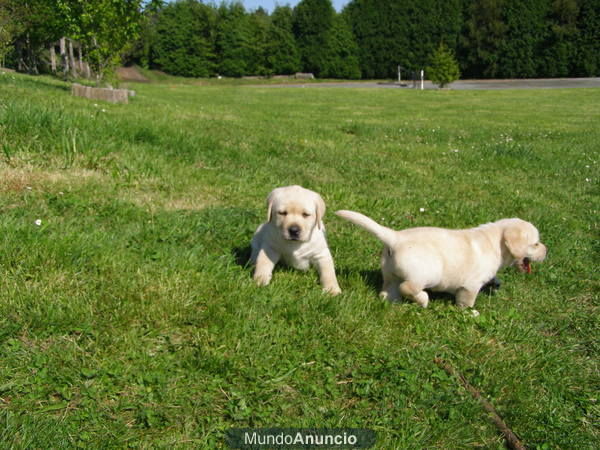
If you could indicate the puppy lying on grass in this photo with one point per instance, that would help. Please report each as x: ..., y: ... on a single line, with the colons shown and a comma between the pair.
x: 459, y: 262
x: 293, y: 232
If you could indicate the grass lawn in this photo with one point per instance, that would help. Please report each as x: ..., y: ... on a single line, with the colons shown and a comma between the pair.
x: 128, y: 317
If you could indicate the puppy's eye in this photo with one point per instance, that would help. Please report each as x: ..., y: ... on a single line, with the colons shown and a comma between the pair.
x: 282, y: 213
x: 305, y: 215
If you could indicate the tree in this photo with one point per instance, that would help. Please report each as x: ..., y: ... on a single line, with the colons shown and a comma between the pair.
x: 234, y: 41
x: 485, y: 30
x: 444, y: 67
x: 587, y: 55
x: 555, y: 57
x: 106, y: 28
x: 380, y: 28
x: 259, y: 25
x: 184, y: 39
x: 143, y: 50
x: 9, y: 28
x: 282, y: 52
x: 312, y: 21
x: 34, y: 24
x: 342, y: 52
x: 526, y: 27
x: 391, y: 33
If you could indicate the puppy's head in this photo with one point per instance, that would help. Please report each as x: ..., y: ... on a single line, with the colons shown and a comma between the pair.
x: 522, y: 240
x: 295, y: 211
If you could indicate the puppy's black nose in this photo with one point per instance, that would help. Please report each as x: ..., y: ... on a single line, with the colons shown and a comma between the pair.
x: 294, y: 231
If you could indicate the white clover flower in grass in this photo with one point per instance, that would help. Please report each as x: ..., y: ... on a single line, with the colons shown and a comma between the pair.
x: 38, y: 222
x: 421, y: 209
x: 474, y: 313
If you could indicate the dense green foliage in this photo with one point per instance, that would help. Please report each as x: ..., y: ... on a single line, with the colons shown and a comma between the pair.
x: 368, y: 39
x: 128, y: 318
x: 105, y: 28
x: 283, y: 55
x: 183, y: 40
x: 391, y: 33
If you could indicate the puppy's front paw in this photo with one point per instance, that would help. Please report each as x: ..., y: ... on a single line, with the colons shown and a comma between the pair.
x: 262, y: 279
x: 332, y: 290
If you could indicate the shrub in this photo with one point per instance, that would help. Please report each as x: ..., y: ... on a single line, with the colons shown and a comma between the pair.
x: 444, y: 67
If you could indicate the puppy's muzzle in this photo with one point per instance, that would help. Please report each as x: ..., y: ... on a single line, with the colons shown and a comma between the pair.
x: 294, y: 232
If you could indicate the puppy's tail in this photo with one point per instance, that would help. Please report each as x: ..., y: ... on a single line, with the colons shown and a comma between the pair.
x: 384, y: 234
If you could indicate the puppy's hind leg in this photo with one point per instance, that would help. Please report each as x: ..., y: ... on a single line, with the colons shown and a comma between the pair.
x: 389, y: 290
x: 466, y: 298
x: 415, y: 293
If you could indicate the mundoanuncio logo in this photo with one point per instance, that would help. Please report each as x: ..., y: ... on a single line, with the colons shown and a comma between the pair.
x: 255, y: 438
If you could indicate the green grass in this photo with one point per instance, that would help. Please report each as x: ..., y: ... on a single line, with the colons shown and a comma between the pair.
x: 128, y: 317
x: 157, y: 76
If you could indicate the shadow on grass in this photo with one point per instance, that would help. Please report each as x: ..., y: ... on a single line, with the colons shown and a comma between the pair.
x: 374, y: 280
x: 242, y: 255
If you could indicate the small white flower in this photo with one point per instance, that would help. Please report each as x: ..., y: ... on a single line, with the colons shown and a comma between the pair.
x: 29, y: 188
x: 588, y: 180
x: 474, y: 313
x: 38, y: 222
x: 103, y: 110
x: 422, y: 209
x: 96, y: 105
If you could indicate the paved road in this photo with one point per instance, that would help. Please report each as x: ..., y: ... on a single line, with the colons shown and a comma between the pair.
x: 551, y: 83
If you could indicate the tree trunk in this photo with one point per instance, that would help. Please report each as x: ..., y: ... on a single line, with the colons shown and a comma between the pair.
x: 53, y: 57
x: 72, y: 59
x: 63, y: 56
x: 80, y: 57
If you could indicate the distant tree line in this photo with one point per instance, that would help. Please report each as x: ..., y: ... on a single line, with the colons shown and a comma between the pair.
x: 191, y: 38
x: 368, y: 39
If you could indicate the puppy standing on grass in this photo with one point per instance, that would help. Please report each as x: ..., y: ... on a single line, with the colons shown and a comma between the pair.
x: 459, y: 262
x: 294, y: 231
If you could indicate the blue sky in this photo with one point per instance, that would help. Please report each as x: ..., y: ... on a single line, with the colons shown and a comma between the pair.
x: 269, y: 5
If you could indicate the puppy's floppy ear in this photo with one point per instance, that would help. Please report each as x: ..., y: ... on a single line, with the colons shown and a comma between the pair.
x: 320, y: 209
x: 270, y: 200
x: 515, y: 239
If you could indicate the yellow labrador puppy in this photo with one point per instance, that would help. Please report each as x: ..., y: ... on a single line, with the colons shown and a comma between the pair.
x: 293, y: 232
x: 459, y: 262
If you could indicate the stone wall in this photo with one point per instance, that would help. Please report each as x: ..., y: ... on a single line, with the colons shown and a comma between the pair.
x: 108, y: 95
